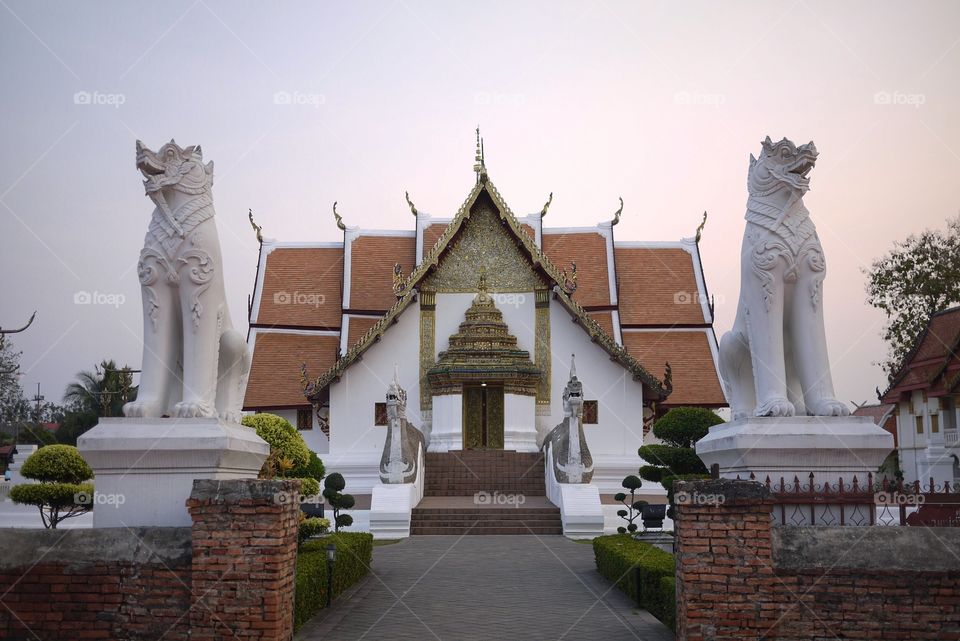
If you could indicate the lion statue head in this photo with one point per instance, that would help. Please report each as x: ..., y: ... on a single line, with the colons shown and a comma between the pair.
x: 174, y: 167
x: 781, y: 165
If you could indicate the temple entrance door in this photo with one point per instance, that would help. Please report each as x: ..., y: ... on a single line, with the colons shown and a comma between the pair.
x: 482, y: 417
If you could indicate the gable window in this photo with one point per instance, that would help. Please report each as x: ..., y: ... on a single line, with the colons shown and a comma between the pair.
x: 305, y: 419
x: 379, y: 413
x: 591, y: 411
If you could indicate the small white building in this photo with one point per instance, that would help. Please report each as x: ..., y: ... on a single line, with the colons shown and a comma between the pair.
x: 926, y: 392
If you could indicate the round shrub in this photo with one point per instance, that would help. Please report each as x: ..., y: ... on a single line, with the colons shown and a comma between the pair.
x: 284, y: 439
x: 314, y: 469
x: 57, y: 464
x: 684, y: 426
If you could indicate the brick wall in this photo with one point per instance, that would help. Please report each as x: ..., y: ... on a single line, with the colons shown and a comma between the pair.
x: 230, y: 576
x: 739, y: 578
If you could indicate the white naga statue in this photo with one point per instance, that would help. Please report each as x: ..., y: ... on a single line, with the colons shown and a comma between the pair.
x: 774, y: 360
x: 194, y: 363
x: 572, y: 461
x: 404, y: 441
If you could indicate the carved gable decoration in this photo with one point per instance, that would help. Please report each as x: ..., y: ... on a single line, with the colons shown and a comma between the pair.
x: 484, y: 242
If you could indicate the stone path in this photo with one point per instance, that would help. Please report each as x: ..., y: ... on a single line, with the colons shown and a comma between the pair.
x: 505, y: 588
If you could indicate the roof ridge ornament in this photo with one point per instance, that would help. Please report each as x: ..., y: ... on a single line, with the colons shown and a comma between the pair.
x: 338, y: 217
x: 616, y: 214
x: 546, y: 205
x: 398, y: 280
x: 479, y: 165
x: 703, y: 224
x: 413, y: 208
x: 256, y: 228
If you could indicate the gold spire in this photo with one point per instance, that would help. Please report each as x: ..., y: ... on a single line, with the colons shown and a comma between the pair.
x: 479, y: 167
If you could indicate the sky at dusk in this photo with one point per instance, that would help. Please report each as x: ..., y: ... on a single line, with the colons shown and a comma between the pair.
x: 302, y: 104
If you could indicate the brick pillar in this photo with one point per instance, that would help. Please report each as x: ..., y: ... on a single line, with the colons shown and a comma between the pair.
x: 724, y: 561
x: 244, y: 559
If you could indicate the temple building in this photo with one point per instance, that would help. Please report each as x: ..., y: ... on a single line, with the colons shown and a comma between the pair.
x: 477, y: 316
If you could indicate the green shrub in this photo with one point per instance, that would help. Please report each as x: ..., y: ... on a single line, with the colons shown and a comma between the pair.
x: 337, y: 500
x: 311, y: 527
x: 618, y: 556
x: 684, y: 426
x: 57, y: 464
x: 354, y: 555
x: 284, y: 439
x: 314, y: 469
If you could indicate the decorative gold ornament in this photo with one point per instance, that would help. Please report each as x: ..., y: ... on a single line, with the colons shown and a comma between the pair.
x: 337, y: 216
x: 546, y: 205
x: 702, y: 225
x: 398, y: 279
x: 256, y: 228
x: 413, y: 209
x: 616, y: 214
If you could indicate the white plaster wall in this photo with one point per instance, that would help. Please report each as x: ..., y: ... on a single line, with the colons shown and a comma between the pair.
x: 447, y: 431
x: 365, y: 382
x: 620, y: 428
x: 519, y: 423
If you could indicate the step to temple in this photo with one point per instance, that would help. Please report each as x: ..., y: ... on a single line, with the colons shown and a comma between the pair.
x: 486, y: 515
x: 469, y: 472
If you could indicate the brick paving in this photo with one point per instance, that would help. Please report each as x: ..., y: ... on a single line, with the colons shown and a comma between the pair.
x: 469, y: 588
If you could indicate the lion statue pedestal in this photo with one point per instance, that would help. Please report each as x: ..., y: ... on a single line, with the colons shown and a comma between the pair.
x: 787, y: 421
x: 185, y: 421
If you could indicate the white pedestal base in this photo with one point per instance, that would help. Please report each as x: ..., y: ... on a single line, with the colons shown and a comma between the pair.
x: 144, y: 468
x: 788, y: 447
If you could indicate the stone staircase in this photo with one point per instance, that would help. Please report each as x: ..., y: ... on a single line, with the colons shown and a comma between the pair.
x: 485, y: 492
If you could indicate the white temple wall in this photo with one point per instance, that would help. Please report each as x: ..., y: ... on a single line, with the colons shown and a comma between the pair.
x: 352, y: 399
x: 619, y: 431
x: 519, y: 423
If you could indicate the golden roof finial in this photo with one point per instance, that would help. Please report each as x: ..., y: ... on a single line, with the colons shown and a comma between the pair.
x: 413, y: 208
x: 616, y: 215
x: 702, y: 225
x: 546, y: 205
x: 478, y: 162
x: 257, y: 228
x: 338, y: 217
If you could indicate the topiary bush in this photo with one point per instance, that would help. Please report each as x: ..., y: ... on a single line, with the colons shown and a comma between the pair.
x: 332, y: 487
x: 619, y: 556
x: 634, y: 507
x: 61, y: 491
x: 289, y: 458
x: 354, y: 555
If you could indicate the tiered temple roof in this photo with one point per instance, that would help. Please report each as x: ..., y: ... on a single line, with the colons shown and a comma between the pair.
x: 933, y: 365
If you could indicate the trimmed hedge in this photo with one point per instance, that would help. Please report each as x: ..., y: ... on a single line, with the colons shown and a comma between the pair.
x: 618, y: 555
x: 354, y: 555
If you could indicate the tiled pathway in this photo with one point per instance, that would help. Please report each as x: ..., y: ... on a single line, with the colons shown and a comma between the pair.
x: 505, y: 588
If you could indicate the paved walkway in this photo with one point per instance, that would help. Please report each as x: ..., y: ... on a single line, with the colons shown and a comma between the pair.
x: 505, y: 588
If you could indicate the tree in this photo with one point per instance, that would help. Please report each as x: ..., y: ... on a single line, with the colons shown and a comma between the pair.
x: 917, y: 278
x: 332, y: 487
x: 679, y: 429
x: 62, y: 491
x: 102, y: 392
x: 13, y: 405
x: 289, y: 458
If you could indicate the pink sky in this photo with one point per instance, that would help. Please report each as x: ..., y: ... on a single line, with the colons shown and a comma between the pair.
x: 657, y: 102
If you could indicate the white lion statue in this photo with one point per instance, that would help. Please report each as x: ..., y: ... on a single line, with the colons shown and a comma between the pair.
x: 194, y: 363
x: 774, y: 360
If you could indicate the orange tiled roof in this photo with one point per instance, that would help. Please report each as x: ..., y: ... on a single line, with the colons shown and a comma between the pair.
x: 275, y: 373
x: 589, y: 251
x: 657, y: 286
x: 358, y: 326
x: 371, y: 269
x: 301, y: 286
x: 932, y: 365
x: 695, y: 380
x: 882, y: 415
x: 605, y: 320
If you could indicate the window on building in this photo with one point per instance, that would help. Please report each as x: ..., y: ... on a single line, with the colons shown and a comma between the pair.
x: 934, y: 423
x: 919, y: 420
x: 590, y: 412
x: 379, y: 413
x: 305, y: 419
